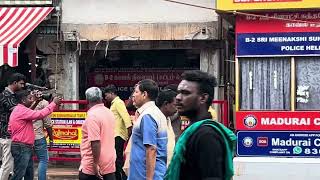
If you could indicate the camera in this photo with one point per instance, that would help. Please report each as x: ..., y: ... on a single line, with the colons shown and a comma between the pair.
x: 44, y: 94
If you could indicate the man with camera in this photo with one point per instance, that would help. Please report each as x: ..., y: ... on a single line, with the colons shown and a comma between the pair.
x: 40, y: 143
x: 22, y: 133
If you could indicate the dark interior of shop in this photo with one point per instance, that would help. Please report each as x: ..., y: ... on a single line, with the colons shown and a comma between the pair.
x: 135, y: 59
x: 24, y: 67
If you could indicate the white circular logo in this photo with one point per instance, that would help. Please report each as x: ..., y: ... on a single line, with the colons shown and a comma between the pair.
x: 99, y: 79
x: 247, y: 141
x: 250, y: 121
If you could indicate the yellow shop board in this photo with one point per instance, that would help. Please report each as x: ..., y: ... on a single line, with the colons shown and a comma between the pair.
x: 72, y: 115
x: 231, y: 5
x: 67, y: 127
x: 67, y: 135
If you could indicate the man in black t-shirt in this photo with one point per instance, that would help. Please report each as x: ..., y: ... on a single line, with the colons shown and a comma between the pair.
x: 205, y: 148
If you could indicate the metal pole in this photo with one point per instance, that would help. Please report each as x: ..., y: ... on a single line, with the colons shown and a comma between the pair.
x: 32, y: 56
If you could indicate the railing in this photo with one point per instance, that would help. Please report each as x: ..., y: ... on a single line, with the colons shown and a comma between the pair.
x: 224, y: 109
x: 65, y: 113
x: 74, y: 119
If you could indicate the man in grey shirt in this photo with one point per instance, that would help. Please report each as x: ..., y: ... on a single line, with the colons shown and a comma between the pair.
x: 40, y: 143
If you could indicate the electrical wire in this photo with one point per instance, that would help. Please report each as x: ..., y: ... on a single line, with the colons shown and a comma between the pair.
x: 192, y: 5
x: 57, y: 52
x: 239, y: 13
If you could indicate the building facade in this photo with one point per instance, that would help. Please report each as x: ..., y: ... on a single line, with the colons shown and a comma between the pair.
x: 135, y: 40
x: 82, y: 44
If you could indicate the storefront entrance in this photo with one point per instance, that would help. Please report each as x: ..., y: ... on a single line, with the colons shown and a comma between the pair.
x: 124, y: 68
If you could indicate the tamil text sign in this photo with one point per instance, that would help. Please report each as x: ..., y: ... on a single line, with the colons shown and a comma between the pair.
x: 125, y: 79
x: 282, y: 34
x: 67, y: 128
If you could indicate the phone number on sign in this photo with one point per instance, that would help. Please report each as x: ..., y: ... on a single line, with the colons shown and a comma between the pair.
x: 313, y: 151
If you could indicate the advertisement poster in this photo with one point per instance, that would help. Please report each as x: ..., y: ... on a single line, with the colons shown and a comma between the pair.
x: 278, y: 120
x: 67, y: 129
x: 125, y: 79
x: 278, y: 143
x: 299, y: 35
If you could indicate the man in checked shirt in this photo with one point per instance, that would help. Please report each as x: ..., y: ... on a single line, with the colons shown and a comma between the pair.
x: 8, y: 101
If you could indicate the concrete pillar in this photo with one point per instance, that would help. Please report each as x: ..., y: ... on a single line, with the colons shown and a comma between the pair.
x: 70, y: 74
x: 209, y: 62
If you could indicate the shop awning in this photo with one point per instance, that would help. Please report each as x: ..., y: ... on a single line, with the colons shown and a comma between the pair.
x: 16, y: 23
x: 25, y: 2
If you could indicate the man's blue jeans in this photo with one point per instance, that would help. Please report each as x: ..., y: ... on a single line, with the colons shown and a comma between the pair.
x: 41, y: 150
x: 23, y: 163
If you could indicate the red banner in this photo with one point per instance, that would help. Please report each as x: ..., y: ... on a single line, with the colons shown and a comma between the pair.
x: 279, y: 22
x: 129, y: 77
x: 276, y: 120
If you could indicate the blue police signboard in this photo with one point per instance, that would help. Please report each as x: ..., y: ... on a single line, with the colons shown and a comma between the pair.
x: 283, y: 44
x: 298, y: 34
x: 279, y: 143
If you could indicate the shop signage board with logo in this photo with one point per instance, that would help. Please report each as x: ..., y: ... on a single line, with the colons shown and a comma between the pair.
x: 278, y: 133
x: 279, y: 143
x: 273, y: 35
x: 67, y: 129
x: 278, y: 120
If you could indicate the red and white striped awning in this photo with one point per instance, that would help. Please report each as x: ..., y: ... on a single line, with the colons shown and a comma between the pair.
x: 16, y: 23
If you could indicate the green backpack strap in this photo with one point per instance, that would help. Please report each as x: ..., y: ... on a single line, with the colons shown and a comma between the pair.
x: 178, y: 157
x: 230, y: 141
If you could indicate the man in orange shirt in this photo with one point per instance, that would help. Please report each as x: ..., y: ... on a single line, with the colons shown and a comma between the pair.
x: 97, y: 135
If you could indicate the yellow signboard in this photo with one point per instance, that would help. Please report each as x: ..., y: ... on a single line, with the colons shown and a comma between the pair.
x: 70, y: 115
x: 231, y: 5
x: 67, y: 127
x: 67, y: 135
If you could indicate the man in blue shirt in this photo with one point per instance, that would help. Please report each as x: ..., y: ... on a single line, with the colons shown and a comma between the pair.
x: 149, y: 136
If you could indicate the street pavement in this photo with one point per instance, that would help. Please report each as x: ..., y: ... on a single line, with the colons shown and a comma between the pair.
x: 60, y: 170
